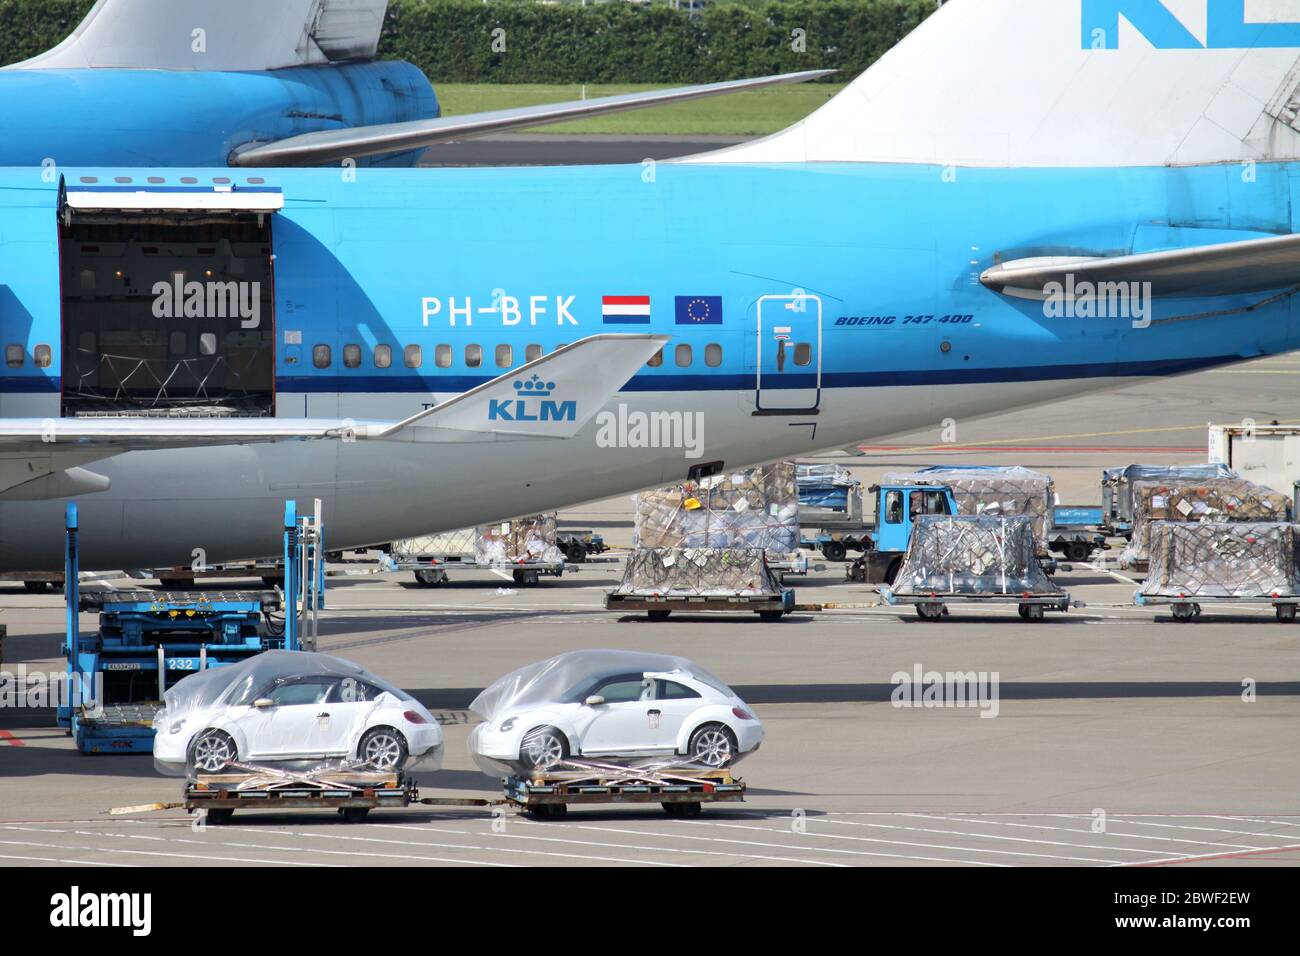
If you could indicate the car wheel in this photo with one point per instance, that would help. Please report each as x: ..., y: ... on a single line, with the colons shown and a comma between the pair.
x: 543, y: 747
x: 212, y: 751
x: 383, y: 749
x: 713, y: 745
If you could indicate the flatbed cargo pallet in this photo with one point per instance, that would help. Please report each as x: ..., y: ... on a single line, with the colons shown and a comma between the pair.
x: 353, y: 794
x: 431, y: 570
x: 1189, y: 608
x: 933, y: 606
x: 681, y: 793
x: 769, y: 607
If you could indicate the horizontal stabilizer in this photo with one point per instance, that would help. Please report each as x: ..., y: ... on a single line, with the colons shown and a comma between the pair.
x: 1252, y: 265
x: 311, y: 149
x: 551, y: 397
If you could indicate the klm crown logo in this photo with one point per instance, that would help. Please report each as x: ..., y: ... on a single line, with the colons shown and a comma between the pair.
x: 532, y: 404
x: 1226, y: 27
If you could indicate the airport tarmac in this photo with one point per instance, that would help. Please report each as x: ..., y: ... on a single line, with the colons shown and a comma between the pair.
x: 1120, y: 736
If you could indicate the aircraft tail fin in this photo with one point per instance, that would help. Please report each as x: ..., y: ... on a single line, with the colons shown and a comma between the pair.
x: 212, y: 35
x: 1066, y: 83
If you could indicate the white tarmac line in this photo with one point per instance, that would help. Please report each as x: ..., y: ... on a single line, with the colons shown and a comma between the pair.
x: 50, y: 859
x: 183, y: 856
x: 1045, y: 826
x: 384, y: 856
x: 1184, y: 826
x: 929, y: 846
x: 455, y: 846
x: 778, y: 846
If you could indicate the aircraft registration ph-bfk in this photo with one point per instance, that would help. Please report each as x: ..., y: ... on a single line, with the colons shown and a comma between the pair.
x: 997, y: 213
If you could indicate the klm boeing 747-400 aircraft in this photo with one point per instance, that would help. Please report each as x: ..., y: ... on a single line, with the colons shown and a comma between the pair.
x: 1023, y: 201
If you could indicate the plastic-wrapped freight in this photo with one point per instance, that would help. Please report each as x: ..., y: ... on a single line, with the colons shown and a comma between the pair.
x: 531, y: 539
x: 1223, y: 559
x: 697, y: 572
x: 824, y: 485
x: 464, y: 542
x: 1213, y: 499
x: 282, y: 716
x: 989, y: 490
x: 552, y: 715
x: 758, y: 508
x: 1117, y: 483
x: 972, y: 555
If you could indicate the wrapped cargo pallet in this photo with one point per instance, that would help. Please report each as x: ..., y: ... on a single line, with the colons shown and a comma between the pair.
x: 1214, y: 499
x: 992, y: 491
x: 974, y: 555
x: 1223, y: 559
x: 697, y: 572
x: 824, y: 485
x: 1117, y: 483
x: 463, y: 541
x: 521, y: 540
x: 757, y: 508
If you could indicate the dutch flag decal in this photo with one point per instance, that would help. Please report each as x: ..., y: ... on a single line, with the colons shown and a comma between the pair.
x: 625, y: 309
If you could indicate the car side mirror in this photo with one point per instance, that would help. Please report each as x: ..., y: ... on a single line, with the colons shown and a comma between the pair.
x: 595, y: 700
x: 263, y: 702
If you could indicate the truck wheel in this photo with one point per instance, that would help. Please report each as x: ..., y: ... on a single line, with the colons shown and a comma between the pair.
x: 891, y: 573
x: 834, y: 551
x: 576, y: 552
x: 1078, y: 551
x: 857, y: 571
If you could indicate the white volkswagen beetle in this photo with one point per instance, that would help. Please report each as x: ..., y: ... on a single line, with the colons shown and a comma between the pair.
x: 288, y: 707
x: 610, y: 704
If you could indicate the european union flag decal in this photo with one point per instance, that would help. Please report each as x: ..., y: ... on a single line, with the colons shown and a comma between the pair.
x: 699, y: 310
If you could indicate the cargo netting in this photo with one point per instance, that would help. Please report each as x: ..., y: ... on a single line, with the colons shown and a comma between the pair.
x: 984, y: 554
x: 991, y: 491
x: 1212, y: 499
x: 522, y: 540
x: 824, y: 485
x: 1227, y: 559
x: 698, y: 572
x: 1120, y: 481
x: 756, y: 508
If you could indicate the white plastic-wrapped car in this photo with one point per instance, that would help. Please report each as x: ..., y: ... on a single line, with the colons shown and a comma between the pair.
x: 610, y: 704
x: 286, y: 708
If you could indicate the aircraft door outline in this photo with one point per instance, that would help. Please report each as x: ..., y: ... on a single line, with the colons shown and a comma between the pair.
x: 787, y: 325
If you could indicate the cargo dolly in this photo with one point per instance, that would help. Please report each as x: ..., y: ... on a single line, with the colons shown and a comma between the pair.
x: 934, y: 605
x: 354, y: 791
x: 768, y: 606
x: 1186, y: 608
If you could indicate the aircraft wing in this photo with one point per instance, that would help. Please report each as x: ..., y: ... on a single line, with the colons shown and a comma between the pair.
x: 1249, y: 265
x: 551, y: 397
x: 309, y: 149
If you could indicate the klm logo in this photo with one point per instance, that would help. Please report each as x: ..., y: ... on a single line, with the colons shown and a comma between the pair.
x: 533, y: 404
x: 1226, y: 27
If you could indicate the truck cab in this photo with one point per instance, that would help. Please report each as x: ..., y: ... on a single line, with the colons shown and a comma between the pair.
x: 897, y: 508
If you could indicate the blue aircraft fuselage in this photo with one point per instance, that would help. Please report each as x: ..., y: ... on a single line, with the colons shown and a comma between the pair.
x: 810, y: 306
x: 94, y: 117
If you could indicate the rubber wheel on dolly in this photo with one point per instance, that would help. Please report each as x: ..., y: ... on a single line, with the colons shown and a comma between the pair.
x: 577, y: 553
x: 931, y: 612
x: 525, y: 578
x: 549, y: 811
x: 219, y: 816
x: 1186, y: 612
x: 1286, y: 613
x: 1078, y: 551
x: 658, y: 615
x: 1031, y: 612
x: 692, y: 809
x: 770, y: 615
x: 354, y: 814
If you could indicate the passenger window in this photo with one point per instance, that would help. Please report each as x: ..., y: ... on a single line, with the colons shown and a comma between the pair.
x: 208, y: 343
x: 383, y: 356
x: 671, y: 690
x: 352, y: 356
x: 44, y: 356
x: 803, y: 354
x: 15, y: 356
x: 473, y: 356
x: 712, y: 355
x: 656, y: 360
x: 626, y: 689
x: 894, y: 507
x: 532, y: 353
x: 321, y: 356
x: 412, y: 356
x: 683, y: 356
x: 442, y: 356
x: 505, y: 356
